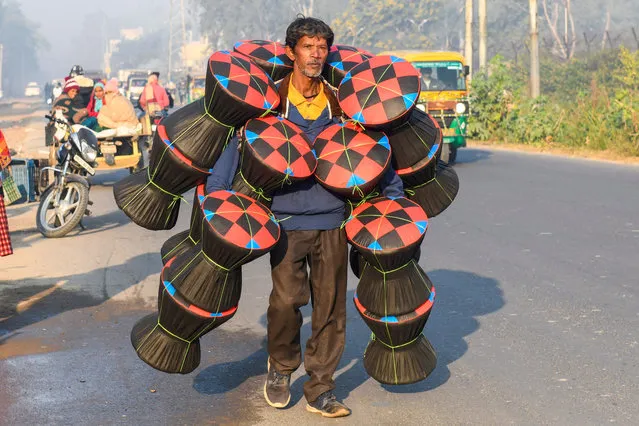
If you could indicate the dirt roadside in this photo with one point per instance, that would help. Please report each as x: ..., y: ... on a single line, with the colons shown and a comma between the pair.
x: 23, y: 126
x: 557, y: 151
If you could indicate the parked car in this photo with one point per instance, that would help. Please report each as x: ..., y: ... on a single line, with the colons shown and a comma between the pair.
x: 32, y: 89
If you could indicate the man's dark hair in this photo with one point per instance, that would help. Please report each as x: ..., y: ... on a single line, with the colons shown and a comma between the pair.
x: 310, y: 27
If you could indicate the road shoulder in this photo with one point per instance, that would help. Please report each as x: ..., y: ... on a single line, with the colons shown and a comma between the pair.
x: 557, y: 151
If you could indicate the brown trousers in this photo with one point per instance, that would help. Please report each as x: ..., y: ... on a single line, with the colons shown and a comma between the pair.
x: 326, y: 254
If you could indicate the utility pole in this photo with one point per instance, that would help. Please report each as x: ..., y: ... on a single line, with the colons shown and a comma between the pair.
x: 534, y: 51
x: 170, y: 40
x: 482, y: 34
x: 177, y: 33
x: 1, y: 52
x: 468, y: 47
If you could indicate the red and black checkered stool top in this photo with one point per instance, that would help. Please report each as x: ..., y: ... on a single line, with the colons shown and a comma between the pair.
x: 351, y: 160
x: 243, y: 80
x: 341, y: 59
x: 387, y: 231
x: 239, y: 228
x: 281, y: 146
x: 269, y: 55
x: 380, y: 91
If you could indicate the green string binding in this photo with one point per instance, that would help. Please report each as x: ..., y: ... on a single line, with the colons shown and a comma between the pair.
x: 373, y: 337
x: 352, y: 206
x: 258, y: 191
x: 421, y: 185
x: 175, y: 199
x: 410, y: 191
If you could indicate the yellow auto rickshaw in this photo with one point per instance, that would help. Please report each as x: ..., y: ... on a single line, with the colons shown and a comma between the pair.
x: 197, y: 87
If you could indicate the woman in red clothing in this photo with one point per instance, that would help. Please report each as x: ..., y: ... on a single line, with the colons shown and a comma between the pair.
x: 95, y: 104
x: 154, y: 97
x: 5, y: 240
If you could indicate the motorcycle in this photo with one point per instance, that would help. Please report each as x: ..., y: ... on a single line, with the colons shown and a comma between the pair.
x: 82, y: 151
x: 65, y: 201
x: 149, y: 126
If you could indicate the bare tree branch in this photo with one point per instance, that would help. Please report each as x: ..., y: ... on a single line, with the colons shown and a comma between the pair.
x: 552, y: 24
x: 606, y: 26
x: 573, y: 34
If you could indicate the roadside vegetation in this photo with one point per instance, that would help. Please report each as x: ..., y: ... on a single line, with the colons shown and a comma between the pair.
x: 21, y: 41
x: 590, y: 102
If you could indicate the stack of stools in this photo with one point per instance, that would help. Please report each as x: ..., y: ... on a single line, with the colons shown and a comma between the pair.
x: 275, y: 153
x: 394, y: 295
x: 188, y: 142
x: 200, y: 288
x: 340, y: 60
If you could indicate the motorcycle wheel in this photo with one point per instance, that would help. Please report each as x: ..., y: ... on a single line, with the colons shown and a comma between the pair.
x: 57, y: 222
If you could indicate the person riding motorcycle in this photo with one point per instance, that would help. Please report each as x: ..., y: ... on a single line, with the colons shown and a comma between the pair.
x: 154, y: 97
x: 85, y: 83
x: 154, y: 101
x: 66, y: 104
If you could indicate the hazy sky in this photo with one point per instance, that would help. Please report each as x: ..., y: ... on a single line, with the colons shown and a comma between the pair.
x: 72, y: 38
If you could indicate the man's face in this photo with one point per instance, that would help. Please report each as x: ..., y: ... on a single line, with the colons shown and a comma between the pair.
x: 427, y: 75
x: 72, y: 93
x: 309, y: 55
x: 153, y: 79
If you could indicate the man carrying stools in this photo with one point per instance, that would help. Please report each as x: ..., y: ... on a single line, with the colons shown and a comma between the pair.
x: 311, y: 218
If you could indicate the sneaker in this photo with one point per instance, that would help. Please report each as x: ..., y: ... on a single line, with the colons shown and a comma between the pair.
x: 277, y: 388
x: 328, y: 406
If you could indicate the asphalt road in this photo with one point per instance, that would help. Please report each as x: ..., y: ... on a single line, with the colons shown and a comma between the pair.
x: 536, y: 318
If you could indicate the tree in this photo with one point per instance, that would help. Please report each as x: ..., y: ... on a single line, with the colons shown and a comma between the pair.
x: 387, y: 24
x: 147, y: 52
x: 563, y: 45
x: 226, y: 24
x: 21, y: 42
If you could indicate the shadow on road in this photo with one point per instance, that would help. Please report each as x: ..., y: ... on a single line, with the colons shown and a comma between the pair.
x: 38, y: 299
x: 222, y: 377
x: 108, y: 177
x: 92, y: 224
x: 18, y: 209
x: 472, y: 155
x: 461, y: 298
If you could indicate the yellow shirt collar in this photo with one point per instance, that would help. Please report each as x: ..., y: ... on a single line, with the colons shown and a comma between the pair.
x: 298, y: 99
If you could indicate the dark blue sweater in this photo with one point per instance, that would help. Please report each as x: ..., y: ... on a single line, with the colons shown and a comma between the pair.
x: 306, y: 205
